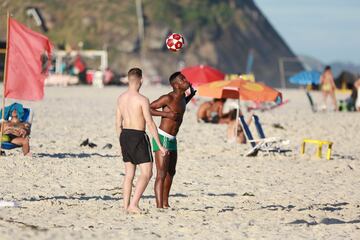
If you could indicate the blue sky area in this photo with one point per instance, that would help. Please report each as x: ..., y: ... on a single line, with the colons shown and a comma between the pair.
x: 328, y: 30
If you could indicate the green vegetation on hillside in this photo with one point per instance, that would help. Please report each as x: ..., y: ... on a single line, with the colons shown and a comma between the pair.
x: 107, y: 22
x: 197, y: 13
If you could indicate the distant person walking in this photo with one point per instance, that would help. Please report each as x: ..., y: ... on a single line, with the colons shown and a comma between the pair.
x: 357, y: 98
x: 133, y: 112
x: 328, y: 86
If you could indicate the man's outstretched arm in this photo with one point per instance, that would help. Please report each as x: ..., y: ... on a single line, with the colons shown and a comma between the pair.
x: 191, y: 95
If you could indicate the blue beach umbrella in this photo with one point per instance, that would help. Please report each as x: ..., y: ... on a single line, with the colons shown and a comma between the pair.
x: 306, y: 77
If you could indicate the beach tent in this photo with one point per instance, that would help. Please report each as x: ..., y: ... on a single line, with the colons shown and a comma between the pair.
x: 345, y: 80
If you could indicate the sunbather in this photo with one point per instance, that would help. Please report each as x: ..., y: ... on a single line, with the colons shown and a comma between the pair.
x: 215, y: 113
x: 202, y: 111
x: 17, y: 133
x: 212, y: 112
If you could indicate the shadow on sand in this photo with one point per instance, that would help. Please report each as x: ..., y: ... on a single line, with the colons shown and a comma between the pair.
x: 222, y: 194
x: 73, y: 155
x: 82, y: 197
x: 326, y: 221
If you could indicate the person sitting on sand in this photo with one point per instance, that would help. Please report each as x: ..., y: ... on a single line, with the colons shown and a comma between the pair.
x: 328, y: 86
x: 236, y: 134
x: 203, y: 111
x: 17, y: 133
x: 212, y: 112
x: 215, y: 112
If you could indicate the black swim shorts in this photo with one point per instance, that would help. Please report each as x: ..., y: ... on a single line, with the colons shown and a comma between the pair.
x: 135, y: 146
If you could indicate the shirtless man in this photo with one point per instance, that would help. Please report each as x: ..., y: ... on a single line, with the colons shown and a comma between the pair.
x: 328, y: 86
x: 173, y: 107
x: 18, y: 132
x: 132, y: 113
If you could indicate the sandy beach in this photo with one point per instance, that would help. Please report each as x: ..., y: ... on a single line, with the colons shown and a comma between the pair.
x: 70, y: 192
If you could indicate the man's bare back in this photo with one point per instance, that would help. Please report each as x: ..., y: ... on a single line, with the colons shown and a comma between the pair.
x: 130, y: 108
x: 132, y: 113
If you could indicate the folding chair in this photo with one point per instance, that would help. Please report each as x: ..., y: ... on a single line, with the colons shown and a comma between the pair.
x: 263, y: 143
x: 27, y: 117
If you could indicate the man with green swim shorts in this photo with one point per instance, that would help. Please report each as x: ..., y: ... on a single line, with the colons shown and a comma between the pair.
x: 168, y: 141
x: 172, y: 107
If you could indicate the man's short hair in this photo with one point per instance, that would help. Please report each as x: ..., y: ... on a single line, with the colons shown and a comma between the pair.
x: 136, y: 72
x: 174, y: 76
x: 327, y: 68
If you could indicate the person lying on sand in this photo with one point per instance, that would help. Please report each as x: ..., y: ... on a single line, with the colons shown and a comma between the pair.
x: 212, y: 112
x: 17, y: 133
x: 202, y: 113
x: 215, y: 113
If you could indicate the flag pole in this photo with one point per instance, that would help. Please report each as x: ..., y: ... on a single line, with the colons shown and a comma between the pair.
x: 4, y: 81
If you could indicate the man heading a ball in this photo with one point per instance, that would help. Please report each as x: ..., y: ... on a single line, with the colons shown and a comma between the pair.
x: 172, y: 107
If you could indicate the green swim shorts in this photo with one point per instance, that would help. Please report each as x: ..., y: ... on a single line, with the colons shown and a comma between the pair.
x: 168, y: 141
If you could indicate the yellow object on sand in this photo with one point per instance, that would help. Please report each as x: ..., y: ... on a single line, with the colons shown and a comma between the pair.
x: 320, y: 143
x: 5, y: 138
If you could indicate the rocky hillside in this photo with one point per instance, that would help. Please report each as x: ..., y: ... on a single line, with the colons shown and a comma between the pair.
x: 218, y: 32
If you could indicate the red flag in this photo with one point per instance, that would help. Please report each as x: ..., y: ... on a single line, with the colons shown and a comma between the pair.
x: 28, y: 56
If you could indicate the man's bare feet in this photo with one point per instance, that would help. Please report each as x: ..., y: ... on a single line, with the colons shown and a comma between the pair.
x: 133, y: 210
x: 29, y: 154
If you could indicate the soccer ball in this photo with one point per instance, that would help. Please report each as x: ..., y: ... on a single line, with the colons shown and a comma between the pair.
x: 175, y: 42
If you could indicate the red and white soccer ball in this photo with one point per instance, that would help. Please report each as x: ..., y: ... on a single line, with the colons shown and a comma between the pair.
x: 175, y: 42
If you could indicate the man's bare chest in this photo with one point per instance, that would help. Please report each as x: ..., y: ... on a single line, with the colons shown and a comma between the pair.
x: 177, y: 106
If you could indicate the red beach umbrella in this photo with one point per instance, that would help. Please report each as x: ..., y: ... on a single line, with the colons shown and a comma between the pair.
x: 202, y: 74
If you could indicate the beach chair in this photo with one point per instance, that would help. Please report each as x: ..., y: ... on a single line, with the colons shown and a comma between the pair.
x: 27, y: 117
x: 263, y: 143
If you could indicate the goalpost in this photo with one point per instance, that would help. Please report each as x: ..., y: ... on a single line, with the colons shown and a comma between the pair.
x: 287, y: 66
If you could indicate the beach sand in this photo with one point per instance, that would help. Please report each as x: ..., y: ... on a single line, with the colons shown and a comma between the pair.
x: 70, y: 192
